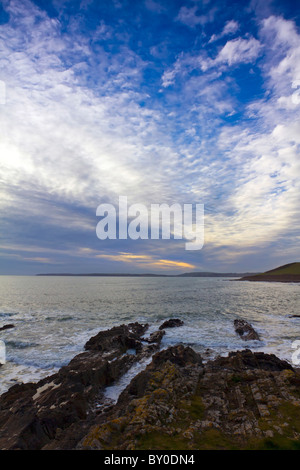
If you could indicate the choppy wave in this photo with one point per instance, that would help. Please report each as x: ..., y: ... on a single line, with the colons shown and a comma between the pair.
x: 20, y: 344
x: 60, y: 319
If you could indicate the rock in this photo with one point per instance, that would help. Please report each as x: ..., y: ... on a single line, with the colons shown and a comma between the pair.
x: 176, y: 402
x: 245, y: 330
x: 155, y: 337
x: 294, y: 316
x: 6, y: 327
x: 179, y: 355
x: 229, y: 402
x: 248, y: 360
x: 119, y: 338
x: 149, y: 402
x: 31, y: 414
x: 173, y: 322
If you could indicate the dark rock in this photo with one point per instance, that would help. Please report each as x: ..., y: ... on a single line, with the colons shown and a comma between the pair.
x: 32, y: 414
x: 6, y: 327
x: 179, y: 355
x: 176, y: 400
x: 173, y: 322
x: 237, y: 402
x: 294, y: 316
x: 119, y: 338
x: 248, y: 360
x: 245, y: 330
x: 155, y: 337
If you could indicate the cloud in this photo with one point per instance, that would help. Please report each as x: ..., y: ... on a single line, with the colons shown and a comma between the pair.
x: 81, y: 125
x: 164, y: 263
x: 239, y: 50
x: 146, y: 260
x: 261, y: 207
x: 156, y: 7
x: 189, y: 17
x: 231, y: 27
x: 235, y: 51
x: 67, y: 139
x: 284, y: 57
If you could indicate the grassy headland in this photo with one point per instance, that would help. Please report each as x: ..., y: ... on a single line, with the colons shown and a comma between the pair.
x: 286, y: 273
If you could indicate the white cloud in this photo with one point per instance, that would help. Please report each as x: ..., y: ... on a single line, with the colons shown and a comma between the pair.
x: 64, y: 138
x: 263, y: 205
x: 75, y: 144
x: 231, y: 27
x: 236, y: 51
x: 239, y: 50
x: 189, y: 16
x: 284, y: 59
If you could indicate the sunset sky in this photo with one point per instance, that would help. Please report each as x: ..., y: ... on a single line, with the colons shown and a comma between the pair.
x: 162, y: 101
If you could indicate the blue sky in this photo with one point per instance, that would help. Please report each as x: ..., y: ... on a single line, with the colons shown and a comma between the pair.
x: 162, y: 101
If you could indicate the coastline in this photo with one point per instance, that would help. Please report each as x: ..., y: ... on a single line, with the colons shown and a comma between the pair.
x: 286, y: 273
x: 275, y: 278
x: 243, y: 401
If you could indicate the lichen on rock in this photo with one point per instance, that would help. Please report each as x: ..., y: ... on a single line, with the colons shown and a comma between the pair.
x: 247, y: 400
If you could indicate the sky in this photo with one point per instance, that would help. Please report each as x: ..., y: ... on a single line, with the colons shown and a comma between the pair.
x: 161, y: 101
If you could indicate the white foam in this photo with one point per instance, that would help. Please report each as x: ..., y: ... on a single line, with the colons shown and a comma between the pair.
x: 12, y: 374
x: 113, y: 392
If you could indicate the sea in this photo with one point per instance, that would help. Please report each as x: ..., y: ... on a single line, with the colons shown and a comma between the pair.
x: 53, y: 317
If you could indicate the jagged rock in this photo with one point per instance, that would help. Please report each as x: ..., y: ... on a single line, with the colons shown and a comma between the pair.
x: 155, y: 337
x: 6, y: 327
x: 241, y: 400
x: 173, y: 322
x: 248, y: 360
x: 178, y: 355
x: 245, y: 330
x: 31, y: 414
x: 119, y: 338
x: 149, y: 399
x: 237, y: 401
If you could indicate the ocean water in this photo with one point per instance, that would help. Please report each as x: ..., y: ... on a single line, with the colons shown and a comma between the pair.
x: 55, y: 316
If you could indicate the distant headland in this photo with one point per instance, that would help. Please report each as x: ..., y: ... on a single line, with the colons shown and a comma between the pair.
x: 286, y: 273
x: 192, y: 274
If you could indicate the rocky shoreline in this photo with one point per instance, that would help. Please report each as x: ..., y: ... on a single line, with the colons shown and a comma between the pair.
x: 269, y: 278
x: 243, y: 401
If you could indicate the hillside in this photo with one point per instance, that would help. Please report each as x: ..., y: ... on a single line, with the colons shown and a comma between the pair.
x: 286, y: 273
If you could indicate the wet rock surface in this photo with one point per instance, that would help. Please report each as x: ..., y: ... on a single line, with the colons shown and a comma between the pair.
x: 117, y: 339
x: 245, y: 400
x: 31, y: 415
x: 6, y: 327
x: 245, y: 330
x: 172, y: 323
